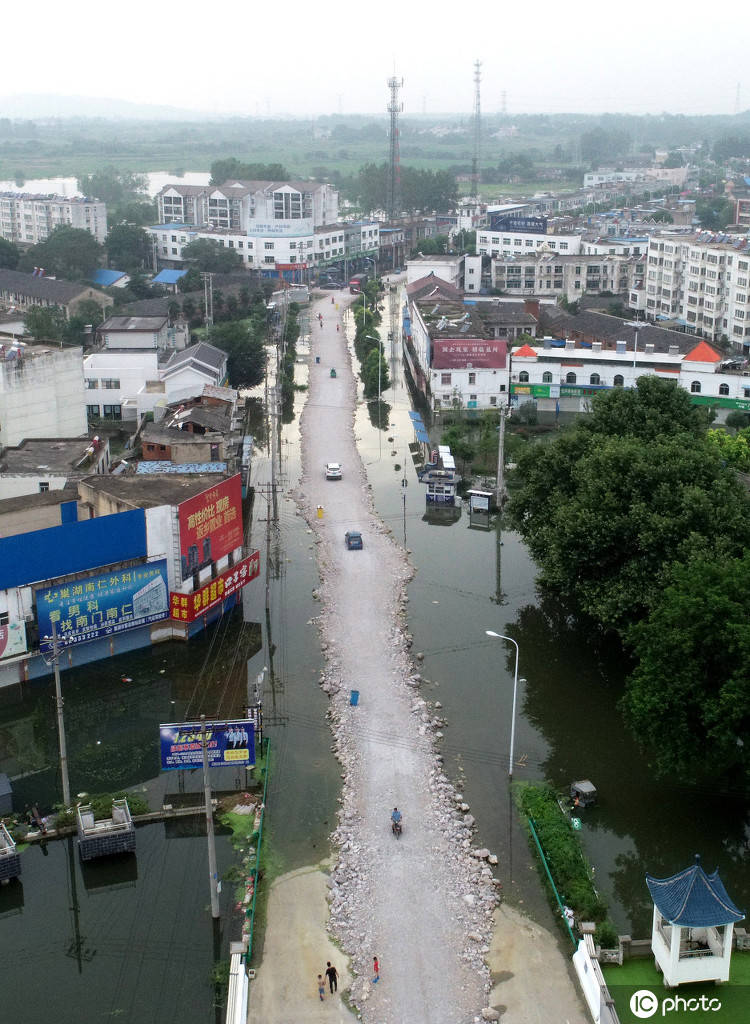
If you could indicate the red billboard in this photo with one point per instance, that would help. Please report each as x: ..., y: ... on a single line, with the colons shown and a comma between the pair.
x: 187, y: 607
x: 210, y: 525
x: 474, y: 353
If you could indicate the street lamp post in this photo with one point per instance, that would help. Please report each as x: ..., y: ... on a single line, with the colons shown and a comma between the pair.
x: 501, y: 636
x: 636, y: 327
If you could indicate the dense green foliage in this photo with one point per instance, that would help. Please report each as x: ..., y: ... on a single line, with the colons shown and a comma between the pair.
x: 637, y: 515
x: 9, y: 255
x: 242, y: 340
x: 48, y: 323
x: 207, y: 255
x: 423, y: 191
x: 688, y: 700
x: 128, y: 248
x: 562, y: 849
x: 715, y: 213
x: 71, y: 253
x: 223, y: 170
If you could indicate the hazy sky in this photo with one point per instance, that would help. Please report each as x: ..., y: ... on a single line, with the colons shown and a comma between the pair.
x: 323, y: 57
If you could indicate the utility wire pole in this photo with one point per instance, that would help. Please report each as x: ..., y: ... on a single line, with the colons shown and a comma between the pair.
x: 212, y: 871
x: 60, y: 721
x: 500, y: 485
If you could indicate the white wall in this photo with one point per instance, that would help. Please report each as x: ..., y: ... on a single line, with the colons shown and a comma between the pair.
x: 132, y: 369
x: 13, y: 486
x: 43, y: 397
x: 488, y: 385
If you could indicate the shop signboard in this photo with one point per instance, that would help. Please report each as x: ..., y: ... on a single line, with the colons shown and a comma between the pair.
x: 101, y: 605
x: 12, y: 639
x: 188, y: 607
x: 474, y: 353
x: 228, y: 744
x: 210, y: 525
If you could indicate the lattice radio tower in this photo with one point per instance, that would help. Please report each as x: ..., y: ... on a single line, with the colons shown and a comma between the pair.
x: 477, y: 126
x: 394, y: 164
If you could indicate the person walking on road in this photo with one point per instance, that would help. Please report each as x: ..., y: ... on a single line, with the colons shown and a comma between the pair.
x: 375, y: 970
x: 321, y: 987
x: 333, y: 977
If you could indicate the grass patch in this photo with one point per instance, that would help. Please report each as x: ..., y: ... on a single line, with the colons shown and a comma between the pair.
x: 734, y: 996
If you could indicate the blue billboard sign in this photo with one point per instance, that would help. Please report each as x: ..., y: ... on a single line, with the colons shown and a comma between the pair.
x: 531, y: 225
x: 101, y: 605
x: 228, y: 743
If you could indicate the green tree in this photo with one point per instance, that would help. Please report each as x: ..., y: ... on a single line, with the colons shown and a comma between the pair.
x: 662, y: 217
x: 191, y: 281
x: 674, y: 159
x: 243, y: 344
x: 45, y: 323
x: 207, y: 255
x: 112, y: 185
x: 128, y: 248
x: 688, y: 700
x: 68, y: 252
x: 232, y: 168
x: 372, y: 362
x: 9, y: 255
x: 715, y: 213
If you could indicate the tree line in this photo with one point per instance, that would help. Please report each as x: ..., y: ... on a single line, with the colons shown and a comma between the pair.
x: 636, y: 516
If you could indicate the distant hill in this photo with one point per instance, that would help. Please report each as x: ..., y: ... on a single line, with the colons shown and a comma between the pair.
x: 43, y: 106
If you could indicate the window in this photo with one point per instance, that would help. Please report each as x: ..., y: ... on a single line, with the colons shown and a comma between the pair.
x: 570, y: 378
x: 472, y: 398
x: 472, y: 378
x: 91, y: 383
x: 723, y: 389
x: 268, y: 245
x: 43, y: 486
x: 113, y: 384
x: 619, y: 380
x: 546, y: 377
x: 268, y: 259
x: 595, y: 379
x: 92, y: 410
x: 695, y: 387
x: 112, y: 412
x: 445, y: 378
x: 523, y: 377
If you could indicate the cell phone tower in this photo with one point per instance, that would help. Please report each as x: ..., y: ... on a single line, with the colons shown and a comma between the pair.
x: 475, y: 172
x: 394, y: 163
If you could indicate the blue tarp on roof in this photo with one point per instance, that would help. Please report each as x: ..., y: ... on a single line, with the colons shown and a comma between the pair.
x: 422, y: 435
x: 183, y: 467
x: 168, y: 276
x: 693, y: 899
x: 105, y: 278
x: 415, y: 417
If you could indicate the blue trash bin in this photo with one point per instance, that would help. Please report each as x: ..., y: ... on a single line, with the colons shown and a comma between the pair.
x: 354, y: 698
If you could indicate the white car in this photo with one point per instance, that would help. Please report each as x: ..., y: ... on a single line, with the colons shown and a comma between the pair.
x: 333, y: 471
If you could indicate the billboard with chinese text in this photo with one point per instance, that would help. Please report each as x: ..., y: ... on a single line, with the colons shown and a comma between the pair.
x: 228, y: 744
x: 210, y: 525
x: 187, y: 607
x: 460, y: 353
x: 100, y: 605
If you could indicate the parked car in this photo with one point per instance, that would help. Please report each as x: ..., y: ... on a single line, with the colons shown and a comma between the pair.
x: 332, y: 285
x: 333, y: 471
x: 353, y: 540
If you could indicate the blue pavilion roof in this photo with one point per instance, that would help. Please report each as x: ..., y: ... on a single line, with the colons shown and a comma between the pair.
x: 693, y: 899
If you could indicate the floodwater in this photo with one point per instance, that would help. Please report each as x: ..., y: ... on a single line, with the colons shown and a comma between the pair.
x: 68, y: 186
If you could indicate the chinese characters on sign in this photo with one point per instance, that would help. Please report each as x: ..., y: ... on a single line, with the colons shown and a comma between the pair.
x: 210, y: 525
x: 460, y: 353
x: 228, y: 744
x: 187, y: 607
x: 100, y: 605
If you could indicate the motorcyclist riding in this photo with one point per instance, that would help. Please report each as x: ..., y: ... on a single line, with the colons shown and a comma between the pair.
x: 396, y: 821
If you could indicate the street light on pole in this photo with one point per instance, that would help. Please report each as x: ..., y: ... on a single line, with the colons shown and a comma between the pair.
x: 501, y: 636
x: 636, y: 327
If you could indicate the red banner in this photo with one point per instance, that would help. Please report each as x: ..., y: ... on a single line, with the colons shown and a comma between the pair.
x: 187, y: 607
x: 463, y: 353
x: 210, y: 525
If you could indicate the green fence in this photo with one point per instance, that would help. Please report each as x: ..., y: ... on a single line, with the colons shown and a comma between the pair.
x: 267, y: 746
x: 551, y: 880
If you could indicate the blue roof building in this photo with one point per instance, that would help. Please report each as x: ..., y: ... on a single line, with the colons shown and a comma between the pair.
x: 693, y: 925
x: 168, y: 277
x: 110, y: 278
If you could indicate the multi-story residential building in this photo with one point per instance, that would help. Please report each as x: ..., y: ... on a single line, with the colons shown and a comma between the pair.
x: 546, y: 274
x: 522, y: 243
x: 30, y: 219
x: 701, y: 280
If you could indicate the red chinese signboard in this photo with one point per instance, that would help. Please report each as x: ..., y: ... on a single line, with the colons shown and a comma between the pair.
x: 460, y: 353
x: 187, y: 607
x: 210, y: 525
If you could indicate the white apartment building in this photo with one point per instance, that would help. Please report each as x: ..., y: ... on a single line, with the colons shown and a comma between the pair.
x: 547, y: 274
x: 703, y: 281
x: 519, y: 243
x: 30, y: 219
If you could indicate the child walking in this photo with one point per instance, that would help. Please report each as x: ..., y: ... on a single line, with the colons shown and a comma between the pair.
x: 321, y: 987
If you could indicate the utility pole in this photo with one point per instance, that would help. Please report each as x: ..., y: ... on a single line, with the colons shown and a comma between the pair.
x: 208, y: 299
x: 212, y: 872
x: 394, y: 164
x: 500, y: 486
x: 60, y: 722
x: 475, y: 171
